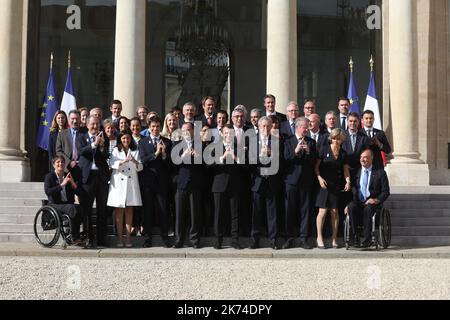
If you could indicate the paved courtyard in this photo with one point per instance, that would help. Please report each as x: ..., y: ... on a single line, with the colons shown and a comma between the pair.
x: 128, y: 276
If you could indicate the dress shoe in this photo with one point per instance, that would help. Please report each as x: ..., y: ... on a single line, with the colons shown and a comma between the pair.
x: 218, y: 244
x: 254, y: 245
x: 320, y: 247
x: 274, y: 245
x: 304, y: 244
x: 166, y: 243
x: 147, y: 243
x: 236, y: 245
x: 289, y: 244
x: 196, y: 245
x: 178, y: 245
x: 366, y: 244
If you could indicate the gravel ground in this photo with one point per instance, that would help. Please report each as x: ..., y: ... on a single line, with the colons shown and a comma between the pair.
x: 223, y: 279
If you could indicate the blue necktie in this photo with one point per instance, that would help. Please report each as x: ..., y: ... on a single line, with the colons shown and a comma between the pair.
x: 363, y: 191
x: 293, y: 128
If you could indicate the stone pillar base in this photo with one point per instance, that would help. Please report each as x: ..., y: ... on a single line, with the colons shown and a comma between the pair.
x: 15, y: 170
x: 408, y: 174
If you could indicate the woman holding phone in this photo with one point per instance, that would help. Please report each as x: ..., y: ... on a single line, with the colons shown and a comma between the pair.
x: 124, y: 190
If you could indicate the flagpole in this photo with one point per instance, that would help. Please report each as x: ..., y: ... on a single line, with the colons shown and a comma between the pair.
x: 372, y: 63
x: 51, y: 60
x: 68, y: 60
x: 351, y: 63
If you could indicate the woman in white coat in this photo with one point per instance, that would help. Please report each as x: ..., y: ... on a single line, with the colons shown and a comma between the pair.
x: 124, y: 192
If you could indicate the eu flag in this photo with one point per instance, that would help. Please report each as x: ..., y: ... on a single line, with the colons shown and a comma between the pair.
x: 49, y: 108
x: 352, y: 95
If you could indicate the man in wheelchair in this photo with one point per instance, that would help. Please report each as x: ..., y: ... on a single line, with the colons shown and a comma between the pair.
x: 370, y: 191
x: 60, y: 190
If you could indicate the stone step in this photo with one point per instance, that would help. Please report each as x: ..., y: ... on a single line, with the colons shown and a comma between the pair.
x: 420, y: 213
x: 10, y: 202
x: 419, y: 197
x: 421, y: 231
x: 16, y: 228
x: 420, y: 221
x: 17, y: 237
x: 414, y: 241
x: 417, y: 204
x: 19, y: 194
x: 19, y: 210
x: 16, y: 219
x: 27, y: 186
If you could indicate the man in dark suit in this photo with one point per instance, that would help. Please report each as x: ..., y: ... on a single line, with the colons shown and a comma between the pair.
x: 370, y: 191
x: 93, y: 149
x: 60, y: 190
x: 208, y: 117
x: 154, y: 152
x: 65, y: 146
x: 378, y: 141
x: 300, y: 156
x: 227, y: 189
x: 330, y: 123
x: 344, y: 108
x: 265, y: 185
x: 188, y: 113
x: 116, y: 112
x: 187, y: 156
x: 269, y: 106
x: 287, y: 128
x: 355, y: 143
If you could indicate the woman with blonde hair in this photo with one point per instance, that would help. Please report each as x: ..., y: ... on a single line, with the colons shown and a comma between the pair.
x: 333, y: 173
x: 59, y: 123
x: 170, y: 128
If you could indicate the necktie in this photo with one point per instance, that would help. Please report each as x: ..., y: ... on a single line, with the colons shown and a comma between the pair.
x: 353, y: 137
x: 363, y: 190
x: 239, y: 136
x: 344, y: 123
x: 74, y: 146
x: 155, y: 143
x: 293, y: 128
x: 209, y: 121
x: 369, y: 133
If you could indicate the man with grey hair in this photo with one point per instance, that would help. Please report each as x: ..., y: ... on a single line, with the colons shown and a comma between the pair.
x: 188, y: 113
x: 287, y: 128
x: 300, y: 156
x: 330, y: 123
x: 255, y: 115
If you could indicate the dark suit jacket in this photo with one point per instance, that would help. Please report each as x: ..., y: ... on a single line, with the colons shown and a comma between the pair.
x: 381, y: 136
x: 262, y: 183
x: 225, y: 176
x: 189, y: 176
x: 87, y: 156
x: 378, y: 186
x: 156, y: 173
x: 285, y: 129
x: 282, y: 117
x: 362, y: 143
x: 323, y: 139
x: 53, y: 190
x: 299, y: 170
x: 204, y: 121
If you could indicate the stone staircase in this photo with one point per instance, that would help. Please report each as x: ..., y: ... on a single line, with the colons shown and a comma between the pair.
x: 420, y: 216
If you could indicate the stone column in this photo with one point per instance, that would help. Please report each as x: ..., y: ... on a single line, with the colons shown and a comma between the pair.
x: 406, y: 168
x: 129, y: 71
x: 13, y: 165
x: 282, y: 51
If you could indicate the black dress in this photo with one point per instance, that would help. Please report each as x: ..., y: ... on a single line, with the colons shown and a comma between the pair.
x: 332, y: 170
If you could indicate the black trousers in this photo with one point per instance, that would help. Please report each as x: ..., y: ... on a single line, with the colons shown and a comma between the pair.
x: 185, y: 200
x: 268, y: 202
x: 361, y: 214
x: 221, y: 199
x: 155, y: 204
x: 73, y: 211
x: 297, y: 208
x: 95, y: 189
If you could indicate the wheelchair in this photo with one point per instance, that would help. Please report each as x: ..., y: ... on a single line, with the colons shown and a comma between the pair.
x: 381, y: 230
x: 49, y: 225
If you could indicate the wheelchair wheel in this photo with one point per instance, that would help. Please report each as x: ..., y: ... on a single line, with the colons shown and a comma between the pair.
x: 47, y: 226
x: 384, y: 235
x: 347, y: 232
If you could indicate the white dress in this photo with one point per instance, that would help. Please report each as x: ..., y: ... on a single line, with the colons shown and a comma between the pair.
x: 124, y: 188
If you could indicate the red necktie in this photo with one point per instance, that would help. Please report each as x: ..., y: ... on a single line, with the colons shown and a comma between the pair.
x: 209, y: 121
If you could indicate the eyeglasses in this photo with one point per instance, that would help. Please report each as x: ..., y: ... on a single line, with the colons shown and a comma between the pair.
x: 292, y: 111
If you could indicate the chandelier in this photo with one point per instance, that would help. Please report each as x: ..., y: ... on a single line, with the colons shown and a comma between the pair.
x: 201, y: 38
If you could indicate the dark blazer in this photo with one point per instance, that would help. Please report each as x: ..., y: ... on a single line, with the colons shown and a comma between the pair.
x: 299, y: 170
x: 225, y: 176
x: 204, y: 120
x: 282, y: 117
x: 323, y: 139
x: 87, y: 156
x: 285, y: 129
x: 189, y: 176
x: 262, y: 183
x: 386, y: 148
x: 53, y: 190
x: 156, y: 173
x: 362, y: 143
x: 378, y: 186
